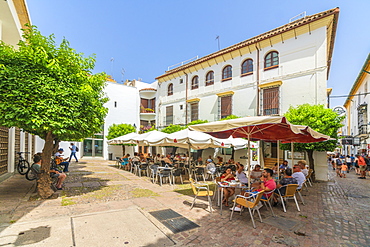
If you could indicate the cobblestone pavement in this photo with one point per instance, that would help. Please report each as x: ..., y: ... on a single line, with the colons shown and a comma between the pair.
x: 336, y: 213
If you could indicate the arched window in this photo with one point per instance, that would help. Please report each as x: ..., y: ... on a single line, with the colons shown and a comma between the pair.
x: 247, y: 67
x: 272, y: 60
x: 227, y: 73
x: 170, y: 89
x: 210, y: 78
x: 195, y: 82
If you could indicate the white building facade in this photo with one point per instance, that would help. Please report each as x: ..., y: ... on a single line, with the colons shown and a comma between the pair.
x: 356, y: 125
x: 264, y: 75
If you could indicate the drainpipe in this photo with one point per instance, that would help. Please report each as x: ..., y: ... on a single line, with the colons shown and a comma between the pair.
x: 186, y: 98
x: 258, y: 80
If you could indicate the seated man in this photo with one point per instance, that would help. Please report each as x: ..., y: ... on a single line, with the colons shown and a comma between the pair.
x: 60, y: 161
x: 211, y: 167
x: 288, y: 179
x: 298, y: 175
x: 283, y: 166
x: 302, y: 164
x: 267, y: 184
x: 167, y: 159
x: 53, y: 173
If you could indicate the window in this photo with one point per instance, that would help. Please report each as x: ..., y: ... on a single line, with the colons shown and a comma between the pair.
x: 247, y: 67
x: 272, y: 60
x: 225, y: 106
x: 362, y: 119
x: 115, y: 104
x: 169, y: 115
x: 194, y: 111
x: 210, y: 78
x: 195, y: 82
x: 181, y: 107
x: 271, y: 101
x: 170, y: 89
x: 181, y: 81
x: 227, y: 73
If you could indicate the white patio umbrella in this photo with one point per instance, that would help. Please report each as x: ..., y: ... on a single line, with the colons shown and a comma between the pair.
x: 125, y: 139
x: 150, y: 137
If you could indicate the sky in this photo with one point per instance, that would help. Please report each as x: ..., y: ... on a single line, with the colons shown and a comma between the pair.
x: 140, y: 39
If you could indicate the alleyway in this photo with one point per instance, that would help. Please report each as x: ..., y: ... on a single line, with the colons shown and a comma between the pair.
x: 104, y: 206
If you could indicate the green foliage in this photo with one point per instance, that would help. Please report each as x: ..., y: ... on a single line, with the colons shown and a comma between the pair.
x: 173, y: 128
x: 50, y: 89
x: 197, y: 122
x: 319, y: 118
x: 229, y: 117
x: 117, y: 130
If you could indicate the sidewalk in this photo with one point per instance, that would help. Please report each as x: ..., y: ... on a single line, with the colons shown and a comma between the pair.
x: 104, y: 206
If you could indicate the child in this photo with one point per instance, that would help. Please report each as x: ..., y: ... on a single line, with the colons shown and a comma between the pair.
x: 344, y: 169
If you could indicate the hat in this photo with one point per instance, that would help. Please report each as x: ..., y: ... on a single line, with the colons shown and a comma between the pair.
x: 60, y: 149
x: 209, y: 160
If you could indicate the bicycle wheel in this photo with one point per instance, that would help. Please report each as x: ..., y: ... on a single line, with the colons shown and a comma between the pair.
x: 31, y: 175
x: 23, y: 167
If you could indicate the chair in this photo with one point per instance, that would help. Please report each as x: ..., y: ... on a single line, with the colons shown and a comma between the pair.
x: 199, y: 171
x: 300, y: 190
x: 308, y: 177
x: 250, y: 202
x: 269, y: 195
x: 118, y: 162
x: 153, y: 172
x: 143, y: 167
x: 178, y: 173
x: 201, y: 190
x: 164, y: 173
x: 290, y: 190
x: 134, y: 167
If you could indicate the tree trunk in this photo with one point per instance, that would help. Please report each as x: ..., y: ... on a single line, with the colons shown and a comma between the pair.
x: 232, y: 154
x: 56, y: 146
x: 311, y: 162
x: 44, y: 182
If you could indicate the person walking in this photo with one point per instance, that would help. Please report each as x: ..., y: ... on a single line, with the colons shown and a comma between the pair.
x: 73, y: 149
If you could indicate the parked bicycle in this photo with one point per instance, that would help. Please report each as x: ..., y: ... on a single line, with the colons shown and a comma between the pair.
x: 23, y: 165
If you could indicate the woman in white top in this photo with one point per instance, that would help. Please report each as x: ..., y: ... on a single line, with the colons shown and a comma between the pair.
x: 240, y: 173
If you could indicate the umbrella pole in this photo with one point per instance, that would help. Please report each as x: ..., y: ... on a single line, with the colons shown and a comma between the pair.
x: 292, y: 152
x: 249, y: 162
x: 278, y: 159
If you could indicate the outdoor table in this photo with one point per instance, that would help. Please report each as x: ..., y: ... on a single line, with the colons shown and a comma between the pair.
x: 220, y: 192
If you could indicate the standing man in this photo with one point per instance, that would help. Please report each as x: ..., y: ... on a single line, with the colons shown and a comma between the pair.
x: 73, y: 149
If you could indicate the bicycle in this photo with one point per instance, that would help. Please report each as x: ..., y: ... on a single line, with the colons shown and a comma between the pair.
x: 23, y: 165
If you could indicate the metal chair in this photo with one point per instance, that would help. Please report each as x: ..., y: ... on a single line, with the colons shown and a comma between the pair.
x: 201, y: 190
x: 118, y: 162
x: 250, y: 202
x: 164, y: 173
x: 269, y: 197
x: 308, y: 177
x: 199, y: 172
x: 178, y: 172
x: 143, y: 167
x: 290, y: 191
x: 153, y: 172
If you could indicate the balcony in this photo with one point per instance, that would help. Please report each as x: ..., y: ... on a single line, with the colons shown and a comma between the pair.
x: 148, y: 93
x: 147, y: 114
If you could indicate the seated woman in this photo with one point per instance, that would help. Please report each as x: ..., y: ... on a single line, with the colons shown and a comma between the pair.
x: 256, y: 173
x: 228, y: 191
x: 288, y: 179
x: 220, y: 160
x: 240, y: 174
x: 275, y: 168
x: 125, y: 160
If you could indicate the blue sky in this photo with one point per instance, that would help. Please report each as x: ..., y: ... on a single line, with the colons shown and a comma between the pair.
x: 144, y: 37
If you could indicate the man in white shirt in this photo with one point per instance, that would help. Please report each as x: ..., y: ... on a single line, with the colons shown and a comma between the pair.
x: 298, y: 175
x: 302, y: 164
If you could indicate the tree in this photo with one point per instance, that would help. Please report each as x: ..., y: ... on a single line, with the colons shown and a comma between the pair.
x: 116, y: 130
x: 173, y: 128
x: 229, y: 117
x: 51, y: 92
x: 197, y: 122
x: 319, y: 118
